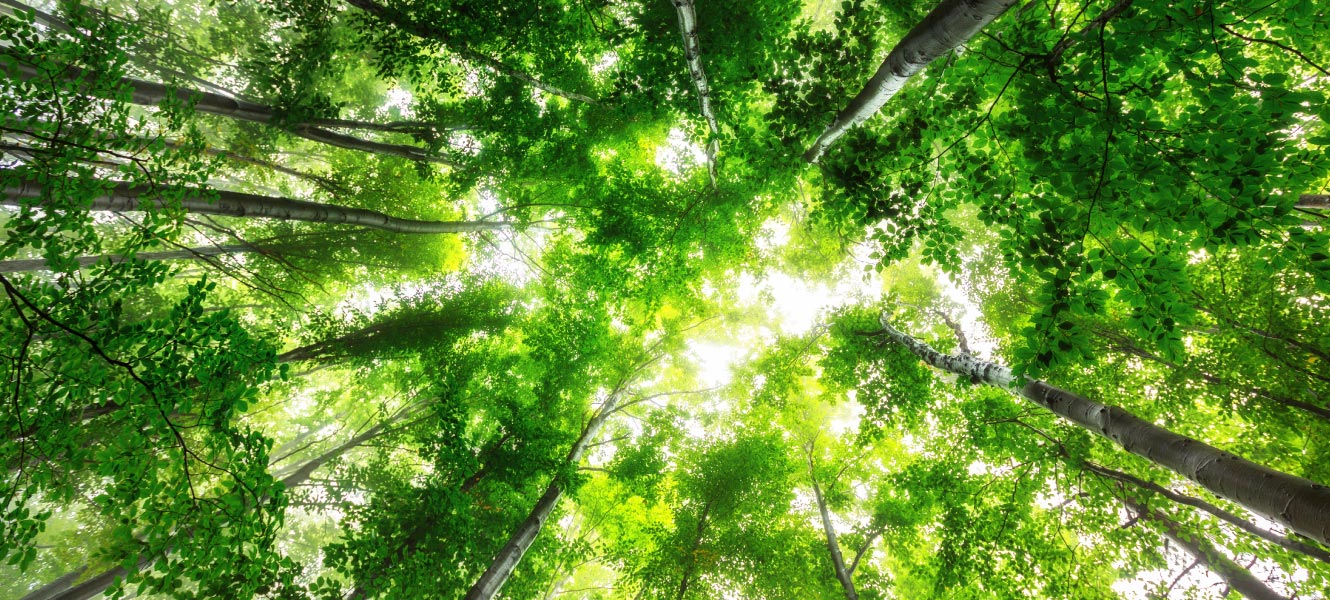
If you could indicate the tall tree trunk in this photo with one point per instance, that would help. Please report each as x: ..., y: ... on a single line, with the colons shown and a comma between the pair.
x: 693, y: 56
x: 101, y: 582
x: 60, y: 584
x: 37, y: 264
x: 404, y: 22
x: 148, y: 93
x: 126, y: 197
x: 1314, y: 201
x: 510, y: 555
x: 837, y: 559
x: 686, y: 579
x: 1219, y: 513
x: 1300, y: 504
x: 951, y: 24
x: 1233, y: 574
x: 93, y: 586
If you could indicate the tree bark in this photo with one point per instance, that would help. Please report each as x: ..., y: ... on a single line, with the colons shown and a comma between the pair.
x: 126, y: 197
x: 510, y: 555
x: 1313, y: 201
x: 95, y: 585
x: 1299, y: 504
x: 1213, y: 510
x: 837, y: 559
x: 404, y: 22
x: 951, y: 24
x: 148, y: 93
x: 693, y: 55
x: 64, y: 582
x: 1233, y: 574
x: 37, y: 264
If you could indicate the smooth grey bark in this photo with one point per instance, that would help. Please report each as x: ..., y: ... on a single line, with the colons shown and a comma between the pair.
x: 126, y: 197
x: 489, y: 583
x: 1219, y: 513
x: 1314, y: 201
x: 1233, y: 574
x: 837, y: 559
x: 951, y: 24
x: 693, y: 55
x: 404, y: 22
x: 148, y: 93
x: 64, y: 582
x: 1299, y: 504
x: 95, y: 585
x: 37, y: 264
x: 101, y: 582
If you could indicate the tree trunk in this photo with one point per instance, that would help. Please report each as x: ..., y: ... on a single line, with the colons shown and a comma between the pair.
x: 126, y: 197
x: 424, y: 31
x: 510, y: 555
x: 100, y: 583
x: 951, y: 24
x: 95, y: 585
x: 686, y: 579
x: 693, y: 55
x: 1219, y: 513
x: 1300, y: 504
x: 1233, y: 574
x: 37, y: 264
x: 60, y: 584
x: 148, y: 93
x: 1314, y: 201
x: 837, y: 560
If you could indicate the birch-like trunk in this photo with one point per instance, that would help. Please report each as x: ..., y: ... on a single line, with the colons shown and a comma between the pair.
x: 510, y: 555
x: 693, y: 55
x: 126, y: 198
x: 951, y: 24
x: 1205, y: 553
x: 404, y: 22
x: 1300, y: 504
x: 837, y: 559
x: 148, y: 93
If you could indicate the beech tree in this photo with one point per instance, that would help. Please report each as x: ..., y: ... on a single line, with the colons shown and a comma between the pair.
x: 659, y: 349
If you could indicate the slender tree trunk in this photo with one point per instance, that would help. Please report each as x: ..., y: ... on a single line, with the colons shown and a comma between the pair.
x: 1314, y: 201
x: 101, y: 582
x: 95, y: 585
x: 1233, y: 574
x: 1219, y: 513
x: 693, y: 55
x: 510, y: 555
x: 1300, y: 504
x: 37, y: 264
x: 686, y: 579
x: 60, y: 584
x: 148, y: 93
x: 125, y: 198
x: 951, y: 24
x: 425, y: 31
x: 837, y: 560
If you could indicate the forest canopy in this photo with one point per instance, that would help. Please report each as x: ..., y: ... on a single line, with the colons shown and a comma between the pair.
x: 664, y: 299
